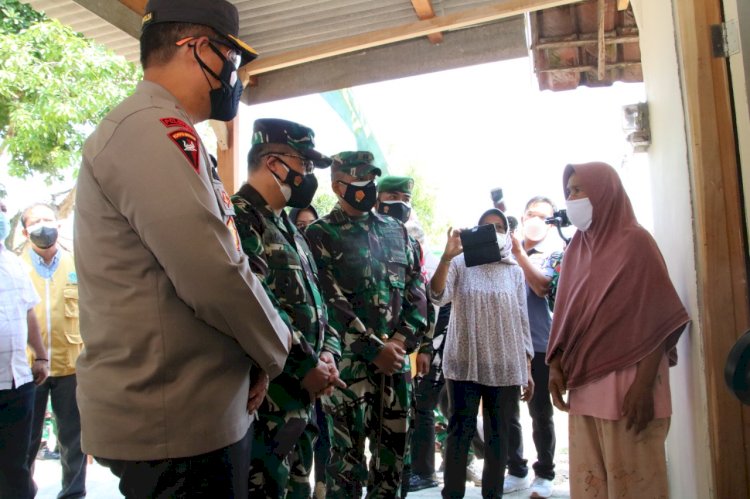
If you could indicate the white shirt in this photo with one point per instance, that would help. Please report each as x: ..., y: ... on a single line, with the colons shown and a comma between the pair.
x: 488, y: 333
x: 17, y: 297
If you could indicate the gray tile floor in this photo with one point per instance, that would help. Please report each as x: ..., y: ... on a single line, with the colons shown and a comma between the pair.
x: 101, y: 484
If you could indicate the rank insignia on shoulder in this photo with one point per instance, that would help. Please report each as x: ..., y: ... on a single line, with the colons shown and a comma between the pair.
x: 172, y: 122
x: 188, y: 144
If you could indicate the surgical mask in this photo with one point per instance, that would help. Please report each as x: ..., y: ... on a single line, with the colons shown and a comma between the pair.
x: 501, y: 239
x: 534, y: 229
x: 298, y: 190
x: 4, y: 226
x: 360, y: 195
x: 225, y: 100
x: 396, y: 209
x: 43, y: 235
x: 580, y: 213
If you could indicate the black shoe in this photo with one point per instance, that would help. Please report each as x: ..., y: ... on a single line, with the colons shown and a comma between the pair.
x: 417, y: 482
x: 47, y: 455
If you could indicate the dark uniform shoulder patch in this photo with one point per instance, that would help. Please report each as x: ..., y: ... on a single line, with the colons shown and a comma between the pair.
x: 188, y: 144
x: 172, y: 122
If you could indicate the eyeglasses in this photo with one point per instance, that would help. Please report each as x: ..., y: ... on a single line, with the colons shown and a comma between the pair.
x: 307, y: 164
x: 232, y: 55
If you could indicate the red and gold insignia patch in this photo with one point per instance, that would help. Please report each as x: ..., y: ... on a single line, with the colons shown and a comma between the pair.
x: 225, y: 199
x: 188, y: 144
x: 359, y: 195
x: 233, y: 228
x: 174, y: 123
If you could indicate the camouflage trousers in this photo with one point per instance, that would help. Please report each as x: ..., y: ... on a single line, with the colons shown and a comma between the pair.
x: 282, y: 453
x: 354, y: 414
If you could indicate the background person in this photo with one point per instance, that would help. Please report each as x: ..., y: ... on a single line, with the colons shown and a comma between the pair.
x: 55, y: 280
x: 533, y: 256
x: 616, y: 323
x: 172, y: 318
x: 302, y: 217
x: 18, y: 327
x: 487, y: 354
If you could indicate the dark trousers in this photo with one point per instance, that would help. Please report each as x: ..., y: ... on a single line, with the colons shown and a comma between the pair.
x: 322, y: 447
x: 427, y: 393
x: 62, y: 389
x: 499, y: 403
x: 222, y: 473
x: 541, y: 411
x: 16, y: 413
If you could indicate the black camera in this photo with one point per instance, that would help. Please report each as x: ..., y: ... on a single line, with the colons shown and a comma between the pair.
x: 559, y: 219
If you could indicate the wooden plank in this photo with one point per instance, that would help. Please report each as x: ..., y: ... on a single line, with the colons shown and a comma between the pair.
x: 581, y: 43
x: 424, y: 10
x: 720, y: 247
x: 622, y: 4
x: 116, y: 14
x: 601, y: 10
x: 470, y: 17
x: 229, y: 159
x: 137, y: 6
x: 582, y: 69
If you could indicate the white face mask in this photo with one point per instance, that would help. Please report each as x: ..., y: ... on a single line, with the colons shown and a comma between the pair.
x: 534, y: 229
x: 286, y: 191
x: 580, y: 212
x: 501, y: 239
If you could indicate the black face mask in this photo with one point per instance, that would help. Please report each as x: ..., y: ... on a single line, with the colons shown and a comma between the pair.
x: 396, y: 209
x: 360, y: 197
x: 225, y: 100
x: 43, y: 237
x: 302, y: 188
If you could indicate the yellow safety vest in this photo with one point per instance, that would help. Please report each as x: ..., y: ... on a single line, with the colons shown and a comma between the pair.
x: 58, y: 313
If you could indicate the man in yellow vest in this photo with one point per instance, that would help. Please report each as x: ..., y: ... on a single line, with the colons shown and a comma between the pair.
x: 54, y: 278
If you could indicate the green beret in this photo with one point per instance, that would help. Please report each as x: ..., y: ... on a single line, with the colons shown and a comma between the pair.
x: 392, y: 183
x: 355, y: 163
x: 296, y: 136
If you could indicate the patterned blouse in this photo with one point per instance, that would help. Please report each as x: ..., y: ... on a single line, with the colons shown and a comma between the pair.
x: 488, y: 333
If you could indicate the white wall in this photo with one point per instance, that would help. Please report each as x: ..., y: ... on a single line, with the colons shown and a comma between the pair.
x: 688, y: 443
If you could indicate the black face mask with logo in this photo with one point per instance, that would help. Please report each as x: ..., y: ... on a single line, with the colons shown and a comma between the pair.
x: 302, y: 188
x: 396, y: 209
x: 225, y: 100
x: 360, y: 195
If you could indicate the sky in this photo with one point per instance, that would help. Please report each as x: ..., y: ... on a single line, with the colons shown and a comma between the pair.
x: 465, y: 131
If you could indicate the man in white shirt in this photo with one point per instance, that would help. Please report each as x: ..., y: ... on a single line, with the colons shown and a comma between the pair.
x: 18, y: 327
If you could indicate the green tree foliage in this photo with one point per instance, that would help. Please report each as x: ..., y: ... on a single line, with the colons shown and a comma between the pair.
x: 55, y: 85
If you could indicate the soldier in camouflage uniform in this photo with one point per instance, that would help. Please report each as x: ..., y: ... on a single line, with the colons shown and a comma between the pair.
x: 280, y: 166
x: 374, y: 289
x: 394, y: 200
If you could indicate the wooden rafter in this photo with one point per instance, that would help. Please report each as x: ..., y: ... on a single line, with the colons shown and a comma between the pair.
x: 424, y: 10
x: 458, y: 20
x: 137, y: 6
x: 622, y: 4
x: 602, y: 52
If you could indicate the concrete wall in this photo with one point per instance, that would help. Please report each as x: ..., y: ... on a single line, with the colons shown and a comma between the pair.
x: 688, y: 443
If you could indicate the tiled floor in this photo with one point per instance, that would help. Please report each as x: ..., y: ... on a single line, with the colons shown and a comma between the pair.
x: 101, y: 484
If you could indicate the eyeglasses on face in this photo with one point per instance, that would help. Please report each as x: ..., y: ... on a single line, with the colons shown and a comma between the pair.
x: 307, y: 164
x: 232, y: 55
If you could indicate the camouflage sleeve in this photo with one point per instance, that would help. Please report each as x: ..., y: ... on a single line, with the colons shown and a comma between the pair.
x: 414, y: 316
x: 341, y: 315
x: 331, y: 340
x: 301, y: 357
x: 426, y: 345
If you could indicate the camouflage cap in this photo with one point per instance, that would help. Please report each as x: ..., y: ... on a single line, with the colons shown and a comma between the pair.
x: 296, y: 136
x: 393, y: 183
x: 355, y: 163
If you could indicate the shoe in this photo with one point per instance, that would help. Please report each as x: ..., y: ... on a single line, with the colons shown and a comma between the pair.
x: 474, y: 473
x: 541, y: 487
x: 45, y: 454
x: 320, y: 490
x: 513, y: 483
x: 417, y: 482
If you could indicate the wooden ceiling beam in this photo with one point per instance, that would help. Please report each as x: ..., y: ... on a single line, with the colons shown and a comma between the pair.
x: 470, y: 17
x: 622, y: 4
x: 424, y: 10
x: 137, y: 6
x: 602, y: 47
x: 115, y: 13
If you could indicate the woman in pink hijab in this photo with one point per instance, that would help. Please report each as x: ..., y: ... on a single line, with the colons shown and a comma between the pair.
x: 616, y: 323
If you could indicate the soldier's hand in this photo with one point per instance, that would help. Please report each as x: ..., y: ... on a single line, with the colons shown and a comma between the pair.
x: 333, y: 380
x: 423, y: 364
x: 316, y: 380
x: 390, y: 359
x: 257, y: 392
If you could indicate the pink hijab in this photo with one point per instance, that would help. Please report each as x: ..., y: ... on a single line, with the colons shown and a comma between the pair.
x: 615, y: 302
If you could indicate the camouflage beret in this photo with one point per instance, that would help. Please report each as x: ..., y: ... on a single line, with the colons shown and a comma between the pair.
x: 355, y: 163
x: 392, y: 183
x: 296, y: 136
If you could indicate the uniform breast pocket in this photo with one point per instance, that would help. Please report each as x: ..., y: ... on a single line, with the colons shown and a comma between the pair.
x: 285, y: 276
x: 72, y: 327
x: 356, y: 266
x: 396, y: 264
